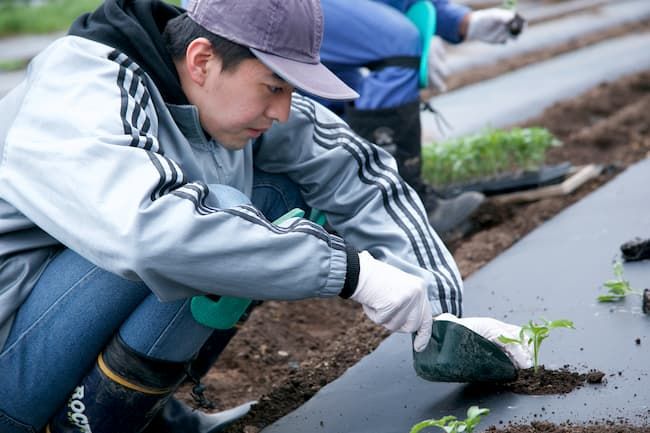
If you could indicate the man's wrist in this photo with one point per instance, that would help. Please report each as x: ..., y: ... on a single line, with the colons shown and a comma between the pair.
x: 352, y: 272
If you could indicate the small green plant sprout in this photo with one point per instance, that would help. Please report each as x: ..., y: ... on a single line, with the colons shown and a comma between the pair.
x: 509, y: 4
x: 450, y: 424
x: 488, y: 154
x: 534, y: 334
x: 619, y: 288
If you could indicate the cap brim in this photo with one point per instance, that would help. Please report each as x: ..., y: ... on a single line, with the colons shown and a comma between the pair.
x: 310, y: 78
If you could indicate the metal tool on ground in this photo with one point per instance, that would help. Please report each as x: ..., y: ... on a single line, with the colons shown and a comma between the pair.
x: 458, y: 354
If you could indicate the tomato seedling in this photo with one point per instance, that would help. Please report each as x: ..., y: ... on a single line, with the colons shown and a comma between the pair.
x: 450, y: 424
x: 619, y: 288
x: 486, y: 155
x: 534, y: 334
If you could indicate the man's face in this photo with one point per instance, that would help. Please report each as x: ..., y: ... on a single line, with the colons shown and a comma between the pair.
x: 241, y: 103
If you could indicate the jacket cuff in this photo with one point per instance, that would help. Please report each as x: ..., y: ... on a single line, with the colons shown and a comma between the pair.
x: 351, y: 272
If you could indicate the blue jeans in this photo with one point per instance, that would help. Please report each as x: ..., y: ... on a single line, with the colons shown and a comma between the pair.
x: 76, y: 308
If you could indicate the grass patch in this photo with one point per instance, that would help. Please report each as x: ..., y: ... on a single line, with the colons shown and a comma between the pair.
x: 12, y: 65
x: 485, y: 155
x: 51, y: 16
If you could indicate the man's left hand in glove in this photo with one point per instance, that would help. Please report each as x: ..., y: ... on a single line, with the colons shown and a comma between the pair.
x: 521, y: 355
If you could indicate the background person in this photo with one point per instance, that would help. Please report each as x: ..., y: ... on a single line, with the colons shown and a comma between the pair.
x: 379, y: 36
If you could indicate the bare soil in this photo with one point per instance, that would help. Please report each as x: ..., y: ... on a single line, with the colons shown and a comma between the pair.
x: 546, y: 427
x: 529, y: 382
x: 287, y: 351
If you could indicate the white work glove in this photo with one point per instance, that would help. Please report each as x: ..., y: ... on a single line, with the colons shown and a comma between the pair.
x: 490, y: 25
x: 394, y: 299
x: 490, y: 329
x: 438, y: 70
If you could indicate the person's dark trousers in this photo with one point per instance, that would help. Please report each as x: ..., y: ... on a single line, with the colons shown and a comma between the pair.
x: 398, y: 131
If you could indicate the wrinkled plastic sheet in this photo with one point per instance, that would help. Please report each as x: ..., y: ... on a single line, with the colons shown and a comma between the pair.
x: 555, y: 272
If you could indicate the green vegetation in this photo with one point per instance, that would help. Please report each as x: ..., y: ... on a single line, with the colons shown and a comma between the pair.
x: 51, y: 16
x: 536, y: 333
x: 486, y: 155
x: 450, y: 424
x: 619, y: 288
x: 12, y: 65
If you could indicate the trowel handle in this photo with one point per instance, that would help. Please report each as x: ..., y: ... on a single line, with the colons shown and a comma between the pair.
x: 223, y: 312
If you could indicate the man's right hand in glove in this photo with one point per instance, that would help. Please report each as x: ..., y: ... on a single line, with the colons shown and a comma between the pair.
x: 491, y: 329
x: 394, y: 299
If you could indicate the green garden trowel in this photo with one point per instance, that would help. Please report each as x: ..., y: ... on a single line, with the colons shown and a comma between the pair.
x: 223, y: 312
x: 458, y: 354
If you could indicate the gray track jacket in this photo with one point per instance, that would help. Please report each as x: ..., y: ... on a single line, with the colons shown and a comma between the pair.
x: 93, y: 159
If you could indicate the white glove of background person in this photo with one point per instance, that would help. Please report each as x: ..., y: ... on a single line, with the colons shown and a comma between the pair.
x: 490, y: 329
x: 438, y: 70
x: 394, y: 299
x: 490, y: 25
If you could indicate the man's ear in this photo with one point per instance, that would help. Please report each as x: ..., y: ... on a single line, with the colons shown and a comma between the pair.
x: 198, y: 60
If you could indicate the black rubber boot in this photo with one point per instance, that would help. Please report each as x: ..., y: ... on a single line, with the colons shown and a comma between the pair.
x: 449, y: 215
x: 121, y: 394
x: 398, y: 131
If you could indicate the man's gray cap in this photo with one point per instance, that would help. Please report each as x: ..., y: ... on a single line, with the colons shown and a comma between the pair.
x: 285, y: 35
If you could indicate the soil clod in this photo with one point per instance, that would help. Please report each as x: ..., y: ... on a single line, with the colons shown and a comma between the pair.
x: 545, y: 381
x: 636, y: 249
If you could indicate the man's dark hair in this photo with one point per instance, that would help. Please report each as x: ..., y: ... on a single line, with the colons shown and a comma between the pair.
x: 182, y: 30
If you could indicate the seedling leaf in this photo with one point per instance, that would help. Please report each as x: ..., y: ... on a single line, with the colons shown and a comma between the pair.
x: 450, y: 424
x: 561, y: 323
x: 619, y: 288
x: 533, y: 334
x: 507, y: 340
x: 610, y: 298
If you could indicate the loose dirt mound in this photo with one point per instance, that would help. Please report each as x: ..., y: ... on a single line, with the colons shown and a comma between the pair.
x: 545, y: 427
x: 287, y: 351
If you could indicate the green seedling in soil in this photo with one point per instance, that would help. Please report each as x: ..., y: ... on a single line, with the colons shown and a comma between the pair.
x: 450, y: 424
x: 534, y: 334
x: 486, y: 155
x: 619, y: 288
x: 509, y: 4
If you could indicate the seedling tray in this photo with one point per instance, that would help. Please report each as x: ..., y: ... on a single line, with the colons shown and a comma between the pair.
x: 511, y: 182
x: 554, y: 272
